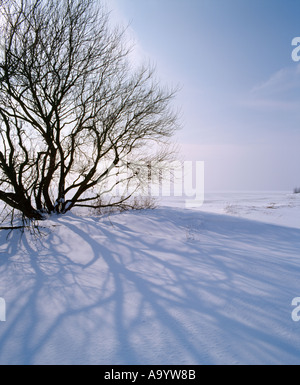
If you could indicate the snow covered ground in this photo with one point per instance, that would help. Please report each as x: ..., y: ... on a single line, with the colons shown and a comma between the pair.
x: 211, y: 285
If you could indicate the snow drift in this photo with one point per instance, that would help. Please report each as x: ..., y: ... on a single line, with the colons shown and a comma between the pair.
x: 167, y: 286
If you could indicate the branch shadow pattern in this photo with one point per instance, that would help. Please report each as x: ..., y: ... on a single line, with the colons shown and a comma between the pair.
x: 136, y: 289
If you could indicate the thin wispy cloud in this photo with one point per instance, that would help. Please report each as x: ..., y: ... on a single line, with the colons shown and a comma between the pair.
x: 269, y: 104
x: 279, y: 91
x: 284, y: 80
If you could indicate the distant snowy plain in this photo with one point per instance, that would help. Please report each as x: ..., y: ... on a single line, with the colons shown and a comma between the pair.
x: 209, y: 285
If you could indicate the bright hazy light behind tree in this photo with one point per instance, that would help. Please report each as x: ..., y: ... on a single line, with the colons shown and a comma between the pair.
x: 72, y: 111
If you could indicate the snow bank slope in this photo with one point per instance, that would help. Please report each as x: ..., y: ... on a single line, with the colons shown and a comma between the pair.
x: 168, y: 286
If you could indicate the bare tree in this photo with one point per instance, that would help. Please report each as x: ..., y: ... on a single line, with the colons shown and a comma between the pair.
x: 73, y: 113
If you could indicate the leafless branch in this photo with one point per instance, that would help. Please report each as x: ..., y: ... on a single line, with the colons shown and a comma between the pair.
x: 71, y: 108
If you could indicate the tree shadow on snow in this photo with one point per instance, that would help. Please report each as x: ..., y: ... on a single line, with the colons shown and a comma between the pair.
x: 157, y: 287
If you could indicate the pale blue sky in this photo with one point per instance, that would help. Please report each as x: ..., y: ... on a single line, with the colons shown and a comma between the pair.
x: 240, y: 88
